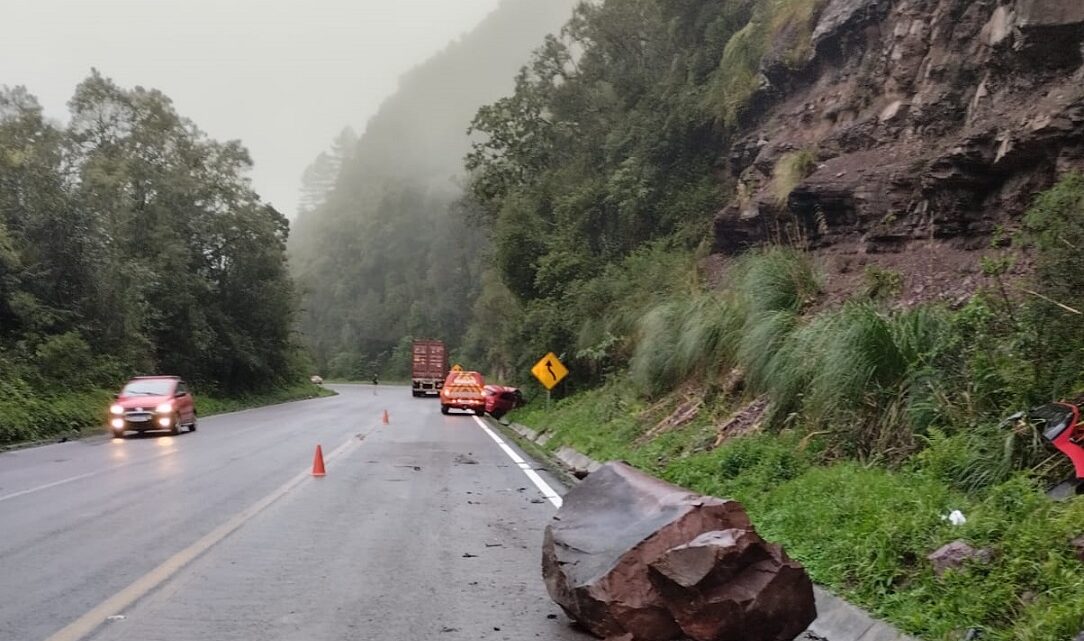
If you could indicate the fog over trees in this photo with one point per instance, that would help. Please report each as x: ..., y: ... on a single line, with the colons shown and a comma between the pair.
x: 389, y: 251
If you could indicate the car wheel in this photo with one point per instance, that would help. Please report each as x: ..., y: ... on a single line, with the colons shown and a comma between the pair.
x: 118, y: 433
x: 444, y: 409
x: 192, y: 427
x: 175, y: 425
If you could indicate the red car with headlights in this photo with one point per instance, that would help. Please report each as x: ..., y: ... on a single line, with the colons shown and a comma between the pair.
x: 153, y: 403
x: 501, y: 399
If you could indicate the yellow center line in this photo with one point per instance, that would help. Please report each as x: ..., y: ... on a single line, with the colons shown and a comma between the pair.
x: 90, y: 621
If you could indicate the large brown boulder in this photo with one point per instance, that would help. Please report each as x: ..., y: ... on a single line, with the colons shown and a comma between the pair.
x: 734, y: 586
x: 617, y: 558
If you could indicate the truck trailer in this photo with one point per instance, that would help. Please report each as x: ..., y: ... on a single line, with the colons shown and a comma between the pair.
x: 429, y: 368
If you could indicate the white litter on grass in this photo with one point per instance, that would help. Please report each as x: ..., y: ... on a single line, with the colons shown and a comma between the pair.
x: 955, y: 517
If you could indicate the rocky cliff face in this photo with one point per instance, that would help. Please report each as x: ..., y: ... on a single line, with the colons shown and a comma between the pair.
x: 911, y: 125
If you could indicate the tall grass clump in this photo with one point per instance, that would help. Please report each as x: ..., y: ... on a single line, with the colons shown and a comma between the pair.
x: 790, y: 372
x: 775, y: 279
x: 773, y: 288
x: 682, y: 337
x: 708, y: 335
x: 763, y: 338
x: 790, y: 170
x: 652, y: 367
x: 860, y: 359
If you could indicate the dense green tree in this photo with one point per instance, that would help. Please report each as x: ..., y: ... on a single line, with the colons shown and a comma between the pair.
x: 611, y: 140
x: 131, y: 242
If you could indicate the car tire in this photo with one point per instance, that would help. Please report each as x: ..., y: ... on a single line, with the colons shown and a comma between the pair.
x: 444, y: 409
x: 118, y: 433
x: 175, y: 425
x: 192, y: 427
x: 480, y: 412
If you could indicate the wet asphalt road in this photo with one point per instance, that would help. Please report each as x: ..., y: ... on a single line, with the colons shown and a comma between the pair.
x: 422, y: 529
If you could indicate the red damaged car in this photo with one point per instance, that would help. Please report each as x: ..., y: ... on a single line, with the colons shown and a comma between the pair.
x: 153, y: 403
x: 1061, y: 426
x: 501, y: 399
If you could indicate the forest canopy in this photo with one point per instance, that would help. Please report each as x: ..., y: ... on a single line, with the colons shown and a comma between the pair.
x: 131, y: 242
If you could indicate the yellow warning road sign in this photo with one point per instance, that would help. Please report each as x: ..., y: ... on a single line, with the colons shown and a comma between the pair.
x: 549, y: 371
x: 457, y: 368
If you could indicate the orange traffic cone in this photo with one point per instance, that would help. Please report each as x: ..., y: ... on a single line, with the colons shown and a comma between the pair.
x: 386, y: 419
x: 318, y: 462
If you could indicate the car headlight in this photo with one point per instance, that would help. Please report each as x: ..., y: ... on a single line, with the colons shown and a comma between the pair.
x: 164, y: 408
x: 116, y: 409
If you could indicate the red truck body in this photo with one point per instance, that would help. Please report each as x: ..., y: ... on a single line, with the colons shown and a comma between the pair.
x: 463, y: 391
x: 429, y: 368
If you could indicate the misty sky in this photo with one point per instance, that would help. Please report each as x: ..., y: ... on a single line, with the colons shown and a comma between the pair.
x: 284, y: 76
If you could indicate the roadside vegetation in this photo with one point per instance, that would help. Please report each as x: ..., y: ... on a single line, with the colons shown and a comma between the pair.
x: 130, y: 242
x: 609, y: 153
x: 861, y: 529
x: 851, y: 431
x: 29, y: 416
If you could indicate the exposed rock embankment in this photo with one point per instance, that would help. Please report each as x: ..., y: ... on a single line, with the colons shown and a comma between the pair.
x: 912, y: 124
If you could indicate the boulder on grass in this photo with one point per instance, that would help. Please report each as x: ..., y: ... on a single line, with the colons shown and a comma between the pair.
x: 622, y: 557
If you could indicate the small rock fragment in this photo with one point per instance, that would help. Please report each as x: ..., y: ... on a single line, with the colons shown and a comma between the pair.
x: 952, y: 556
x: 1078, y: 546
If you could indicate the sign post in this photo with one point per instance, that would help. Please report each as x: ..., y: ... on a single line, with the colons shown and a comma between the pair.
x: 549, y: 371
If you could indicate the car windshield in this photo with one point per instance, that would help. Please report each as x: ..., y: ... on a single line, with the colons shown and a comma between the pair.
x: 1051, y: 419
x: 150, y: 387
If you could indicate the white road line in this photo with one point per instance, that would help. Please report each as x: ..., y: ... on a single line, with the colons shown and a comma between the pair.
x: 72, y: 479
x: 539, y: 482
x: 114, y: 468
x: 90, y: 621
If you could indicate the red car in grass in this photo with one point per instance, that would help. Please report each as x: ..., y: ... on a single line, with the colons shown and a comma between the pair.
x: 153, y: 403
x: 1061, y: 426
x: 501, y: 399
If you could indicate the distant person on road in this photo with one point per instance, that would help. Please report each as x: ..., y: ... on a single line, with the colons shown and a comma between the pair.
x: 375, y: 381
